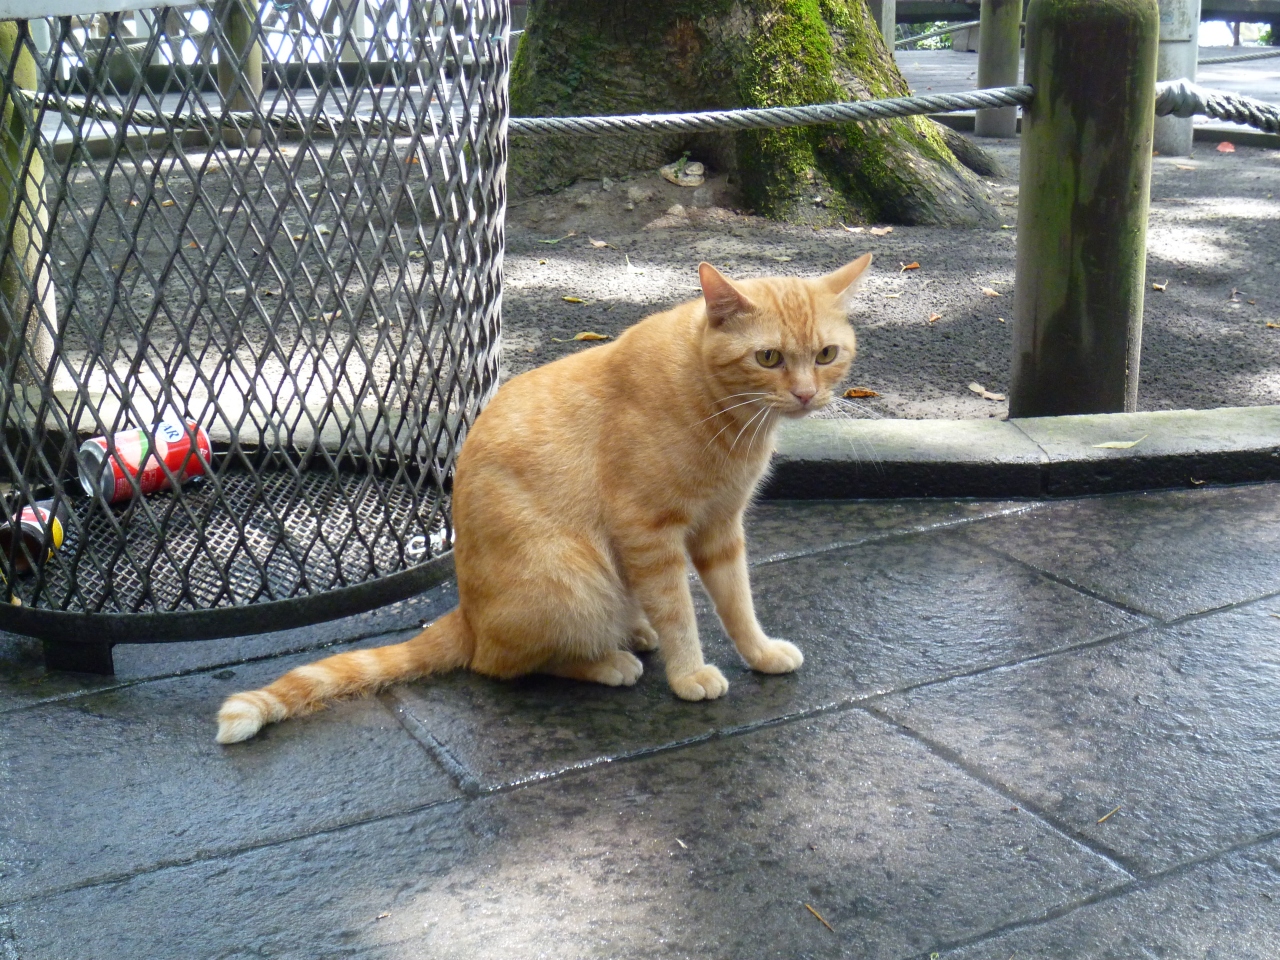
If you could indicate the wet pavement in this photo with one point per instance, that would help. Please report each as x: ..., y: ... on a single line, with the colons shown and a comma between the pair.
x: 1022, y: 729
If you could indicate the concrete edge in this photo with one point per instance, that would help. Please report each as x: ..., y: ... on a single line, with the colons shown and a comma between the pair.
x: 820, y: 459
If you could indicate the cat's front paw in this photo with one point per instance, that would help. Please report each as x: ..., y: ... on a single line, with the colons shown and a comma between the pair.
x: 776, y: 656
x: 705, y: 683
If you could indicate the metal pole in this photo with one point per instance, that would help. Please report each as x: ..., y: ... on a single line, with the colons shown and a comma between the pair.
x: 1082, y: 218
x: 1179, y: 44
x: 885, y: 14
x: 240, y: 67
x: 999, y: 46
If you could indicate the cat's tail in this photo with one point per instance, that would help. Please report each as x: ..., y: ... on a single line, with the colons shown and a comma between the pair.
x: 444, y: 645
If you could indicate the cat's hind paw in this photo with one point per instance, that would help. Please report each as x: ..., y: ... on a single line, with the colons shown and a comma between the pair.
x: 775, y: 656
x: 705, y: 683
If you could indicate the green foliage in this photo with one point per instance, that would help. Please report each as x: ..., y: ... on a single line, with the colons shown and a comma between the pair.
x: 905, y: 31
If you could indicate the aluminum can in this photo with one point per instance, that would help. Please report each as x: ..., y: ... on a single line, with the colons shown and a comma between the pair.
x: 40, y: 528
x: 107, y: 476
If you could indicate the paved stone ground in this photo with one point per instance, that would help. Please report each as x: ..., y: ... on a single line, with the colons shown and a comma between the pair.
x: 1022, y: 730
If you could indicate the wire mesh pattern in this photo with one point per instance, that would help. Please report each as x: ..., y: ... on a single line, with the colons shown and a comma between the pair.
x: 281, y: 222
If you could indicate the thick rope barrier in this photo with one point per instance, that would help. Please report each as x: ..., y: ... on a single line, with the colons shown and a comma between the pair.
x: 773, y: 118
x: 1241, y: 57
x: 1180, y: 98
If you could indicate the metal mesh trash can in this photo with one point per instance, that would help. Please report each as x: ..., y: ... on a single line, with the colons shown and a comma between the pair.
x: 276, y: 229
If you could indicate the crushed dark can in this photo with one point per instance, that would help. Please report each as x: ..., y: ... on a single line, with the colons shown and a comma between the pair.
x: 108, y: 476
x: 40, y: 529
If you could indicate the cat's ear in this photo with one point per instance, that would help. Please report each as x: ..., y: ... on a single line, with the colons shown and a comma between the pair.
x: 844, y: 282
x: 722, y: 297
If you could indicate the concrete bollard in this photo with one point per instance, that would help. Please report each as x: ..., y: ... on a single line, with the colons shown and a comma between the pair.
x: 999, y: 47
x: 1179, y: 48
x: 1082, y: 217
x: 240, y: 67
x: 885, y: 14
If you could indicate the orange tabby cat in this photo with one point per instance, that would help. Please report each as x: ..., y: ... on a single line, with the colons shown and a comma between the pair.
x: 585, y: 488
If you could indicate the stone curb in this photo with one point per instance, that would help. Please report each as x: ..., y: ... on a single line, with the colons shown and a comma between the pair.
x: 1037, y: 457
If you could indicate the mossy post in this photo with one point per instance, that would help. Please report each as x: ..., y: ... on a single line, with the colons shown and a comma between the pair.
x: 1082, y: 219
x: 240, y: 67
x: 27, y: 306
x: 999, y: 48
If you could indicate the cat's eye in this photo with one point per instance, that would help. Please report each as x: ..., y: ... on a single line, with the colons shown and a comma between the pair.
x: 768, y: 358
x: 827, y: 354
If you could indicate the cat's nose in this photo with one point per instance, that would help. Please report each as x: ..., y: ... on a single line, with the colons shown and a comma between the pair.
x: 803, y: 394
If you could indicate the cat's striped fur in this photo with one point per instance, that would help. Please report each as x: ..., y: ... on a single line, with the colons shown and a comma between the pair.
x: 586, y: 487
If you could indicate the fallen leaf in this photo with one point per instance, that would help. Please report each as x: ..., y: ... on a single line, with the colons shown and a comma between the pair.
x: 1201, y: 483
x: 630, y: 269
x: 414, y: 159
x: 1159, y: 286
x: 382, y: 916
x: 880, y: 231
x: 984, y: 393
x: 168, y: 203
x: 313, y: 196
x: 299, y: 236
x: 193, y: 245
x: 16, y: 600
x: 1252, y: 303
x: 683, y: 845
x: 988, y: 292
x: 1226, y: 146
x: 1121, y: 444
x: 1107, y: 816
x: 571, y: 233
x: 599, y: 244
x: 417, y: 255
x: 934, y: 317
x: 913, y: 265
x: 1184, y: 166
x: 588, y: 335
x: 542, y: 263
x: 1006, y: 226
x: 783, y: 259
x: 1273, y: 326
x: 854, y: 229
x: 133, y: 202
x: 573, y: 300
x: 859, y: 393
x: 820, y: 918
x: 892, y: 296
x: 1001, y: 319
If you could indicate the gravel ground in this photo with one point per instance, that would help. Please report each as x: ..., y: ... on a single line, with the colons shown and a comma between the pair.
x: 1214, y: 235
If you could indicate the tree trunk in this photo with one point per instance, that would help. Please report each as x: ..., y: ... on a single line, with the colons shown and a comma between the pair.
x: 583, y: 57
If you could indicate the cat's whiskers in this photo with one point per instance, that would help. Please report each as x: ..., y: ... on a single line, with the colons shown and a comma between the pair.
x: 755, y: 394
x: 765, y: 422
x: 732, y: 422
x: 762, y: 413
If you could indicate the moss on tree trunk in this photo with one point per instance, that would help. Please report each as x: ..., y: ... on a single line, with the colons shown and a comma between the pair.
x: 580, y: 57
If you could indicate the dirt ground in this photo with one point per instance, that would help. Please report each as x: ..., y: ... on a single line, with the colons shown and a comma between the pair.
x: 631, y: 247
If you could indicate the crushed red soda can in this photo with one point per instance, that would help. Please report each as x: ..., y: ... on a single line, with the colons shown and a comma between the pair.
x: 40, y: 527
x: 108, y: 476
